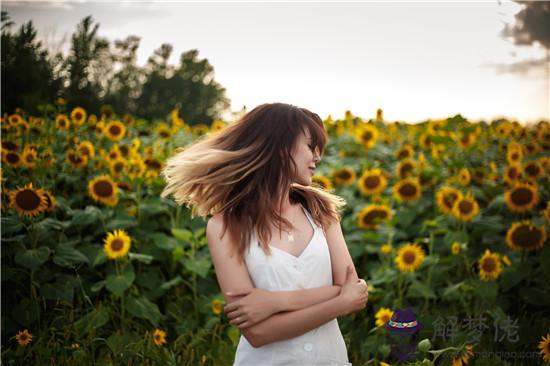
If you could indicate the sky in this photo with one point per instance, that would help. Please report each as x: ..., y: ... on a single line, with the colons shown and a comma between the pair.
x: 415, y: 60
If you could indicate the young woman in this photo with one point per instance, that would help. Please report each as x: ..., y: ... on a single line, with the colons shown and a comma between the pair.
x: 284, y: 268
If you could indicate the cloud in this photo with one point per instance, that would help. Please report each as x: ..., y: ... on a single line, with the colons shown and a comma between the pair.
x: 532, y: 24
x: 532, y: 65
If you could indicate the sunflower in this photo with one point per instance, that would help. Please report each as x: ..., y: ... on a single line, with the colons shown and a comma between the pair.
x: 163, y: 130
x: 217, y: 306
x: 512, y: 173
x: 372, y: 181
x: 525, y: 236
x: 154, y: 166
x: 404, y: 152
x: 103, y: 189
x: 383, y: 315
x: 466, y: 140
x: 478, y: 176
x: 51, y: 203
x: 28, y: 201
x: 29, y: 157
x: 136, y: 168
x: 200, y: 129
x: 455, y: 248
x: 78, y: 116
x: 23, y: 337
x: 465, y: 208
x: 371, y: 215
x: 521, y: 197
x: 533, y: 170
x: 489, y: 266
x: 12, y: 158
x: 506, y: 260
x: 99, y: 129
x: 436, y: 126
x: 463, y: 356
x: 62, y: 122
x: 117, y: 167
x: 464, y: 177
x: 322, y: 181
x: 14, y: 119
x: 405, y: 168
x: 86, y: 148
x: 159, y: 337
x: 114, y: 153
x: 217, y: 125
x: 116, y: 244
x: 75, y: 159
x: 344, y: 176
x: 544, y: 346
x: 409, y: 257
x: 48, y: 157
x: 366, y: 134
x: 386, y: 248
x: 408, y: 190
x: 114, y: 130
x: 514, y: 155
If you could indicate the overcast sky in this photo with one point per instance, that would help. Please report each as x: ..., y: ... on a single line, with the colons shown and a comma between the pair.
x: 415, y: 60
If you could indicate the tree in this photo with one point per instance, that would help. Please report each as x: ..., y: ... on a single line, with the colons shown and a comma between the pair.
x: 27, y: 77
x: 190, y: 86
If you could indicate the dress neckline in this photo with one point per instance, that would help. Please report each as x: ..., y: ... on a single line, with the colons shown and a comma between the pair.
x: 308, y: 244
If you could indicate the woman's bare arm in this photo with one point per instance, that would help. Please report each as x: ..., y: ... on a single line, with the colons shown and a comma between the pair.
x: 295, y: 299
x: 295, y: 323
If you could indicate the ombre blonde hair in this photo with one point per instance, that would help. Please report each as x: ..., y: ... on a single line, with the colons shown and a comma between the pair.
x: 239, y: 170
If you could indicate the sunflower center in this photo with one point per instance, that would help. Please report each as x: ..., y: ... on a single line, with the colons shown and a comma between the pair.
x: 373, y: 215
x: 465, y: 206
x: 367, y: 135
x: 117, y: 245
x: 408, y: 190
x: 522, y: 196
x: 372, y: 182
x: 12, y: 157
x: 527, y: 237
x: 28, y: 200
x: 103, y: 189
x: 408, y: 257
x: 115, y: 130
x: 344, y: 174
x: 489, y: 265
x: 532, y: 169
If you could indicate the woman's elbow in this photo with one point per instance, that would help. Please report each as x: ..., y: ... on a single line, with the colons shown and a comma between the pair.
x: 252, y: 338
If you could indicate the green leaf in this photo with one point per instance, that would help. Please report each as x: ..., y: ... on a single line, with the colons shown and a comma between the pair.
x: 26, y: 312
x: 93, y: 320
x: 94, y: 253
x: 66, y: 255
x: 163, y: 241
x: 32, y: 258
x: 59, y: 290
x: 86, y: 217
x: 152, y: 208
x: 121, y: 224
x: 487, y: 292
x: 143, y: 308
x: 143, y: 258
x: 182, y: 234
x: 420, y: 290
x: 117, y: 284
x: 10, y: 225
x: 452, y: 236
x: 200, y: 266
x: 96, y: 287
x: 173, y: 282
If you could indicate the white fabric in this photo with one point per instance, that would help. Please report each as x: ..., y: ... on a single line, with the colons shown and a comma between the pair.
x: 283, y: 271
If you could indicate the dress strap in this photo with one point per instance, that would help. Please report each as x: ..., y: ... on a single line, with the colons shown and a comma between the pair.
x: 308, y: 215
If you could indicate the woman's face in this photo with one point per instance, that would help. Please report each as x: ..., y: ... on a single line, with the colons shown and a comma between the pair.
x: 305, y: 159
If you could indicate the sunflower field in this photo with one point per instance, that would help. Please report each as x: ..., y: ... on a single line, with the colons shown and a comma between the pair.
x: 449, y: 218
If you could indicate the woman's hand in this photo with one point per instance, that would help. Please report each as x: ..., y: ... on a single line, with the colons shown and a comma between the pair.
x: 255, y: 306
x: 354, y: 293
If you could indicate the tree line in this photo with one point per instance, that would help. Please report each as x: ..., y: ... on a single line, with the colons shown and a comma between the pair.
x: 97, y: 73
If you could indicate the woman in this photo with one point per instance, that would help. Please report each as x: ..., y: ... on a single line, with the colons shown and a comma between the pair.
x: 284, y: 268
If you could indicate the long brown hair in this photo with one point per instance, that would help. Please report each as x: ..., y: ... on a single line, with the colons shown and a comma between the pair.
x: 240, y: 169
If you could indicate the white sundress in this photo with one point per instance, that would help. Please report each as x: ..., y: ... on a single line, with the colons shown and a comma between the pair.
x: 283, y: 271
